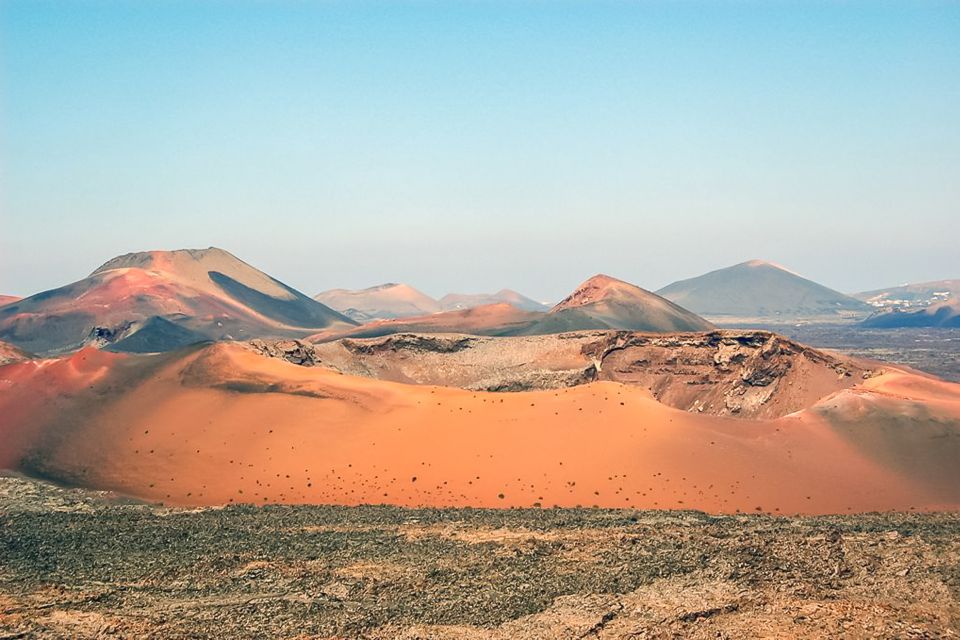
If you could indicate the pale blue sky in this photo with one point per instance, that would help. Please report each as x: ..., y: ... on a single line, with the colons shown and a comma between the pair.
x: 477, y: 145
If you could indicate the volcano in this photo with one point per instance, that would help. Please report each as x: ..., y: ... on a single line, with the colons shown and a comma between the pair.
x: 603, y: 302
x: 761, y: 291
x: 169, y: 298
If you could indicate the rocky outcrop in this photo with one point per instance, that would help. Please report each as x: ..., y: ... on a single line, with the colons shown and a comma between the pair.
x: 408, y: 342
x: 736, y: 373
x: 100, y: 337
x: 750, y: 373
x: 10, y: 353
x: 293, y: 351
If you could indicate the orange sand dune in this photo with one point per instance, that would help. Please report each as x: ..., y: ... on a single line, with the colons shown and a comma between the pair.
x: 221, y: 424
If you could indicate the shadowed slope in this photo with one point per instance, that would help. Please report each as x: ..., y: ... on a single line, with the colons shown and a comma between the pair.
x: 154, y: 335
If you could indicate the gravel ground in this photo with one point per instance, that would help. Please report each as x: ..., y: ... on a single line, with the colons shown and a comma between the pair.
x: 933, y: 350
x: 80, y: 564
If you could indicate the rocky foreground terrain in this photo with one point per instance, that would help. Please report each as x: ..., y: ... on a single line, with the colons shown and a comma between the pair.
x: 79, y: 564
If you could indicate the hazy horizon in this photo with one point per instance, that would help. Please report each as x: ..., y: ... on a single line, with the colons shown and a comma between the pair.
x: 470, y: 147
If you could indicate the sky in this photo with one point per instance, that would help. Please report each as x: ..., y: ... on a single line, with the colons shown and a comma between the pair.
x: 470, y: 146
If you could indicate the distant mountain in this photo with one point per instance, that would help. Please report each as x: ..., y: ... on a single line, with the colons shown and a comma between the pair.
x: 603, y: 302
x: 175, y: 297
x: 906, y: 296
x: 758, y: 290
x: 941, y: 314
x: 385, y: 301
x: 453, y: 301
x: 485, y: 320
x: 8, y: 299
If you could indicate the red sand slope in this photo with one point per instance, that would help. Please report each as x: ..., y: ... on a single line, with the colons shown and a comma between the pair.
x: 221, y: 424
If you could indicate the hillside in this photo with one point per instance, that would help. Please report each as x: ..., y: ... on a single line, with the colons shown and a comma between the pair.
x: 945, y: 315
x: 385, y: 301
x: 752, y: 374
x: 458, y: 301
x: 603, y: 302
x: 171, y: 298
x: 758, y: 290
x: 485, y: 320
x: 909, y: 296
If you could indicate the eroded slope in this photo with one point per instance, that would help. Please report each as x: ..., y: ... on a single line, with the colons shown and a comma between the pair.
x: 755, y: 374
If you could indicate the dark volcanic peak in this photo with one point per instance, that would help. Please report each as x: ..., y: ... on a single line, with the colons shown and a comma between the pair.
x: 758, y: 289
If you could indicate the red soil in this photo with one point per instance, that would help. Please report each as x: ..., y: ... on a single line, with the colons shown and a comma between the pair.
x: 222, y: 424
